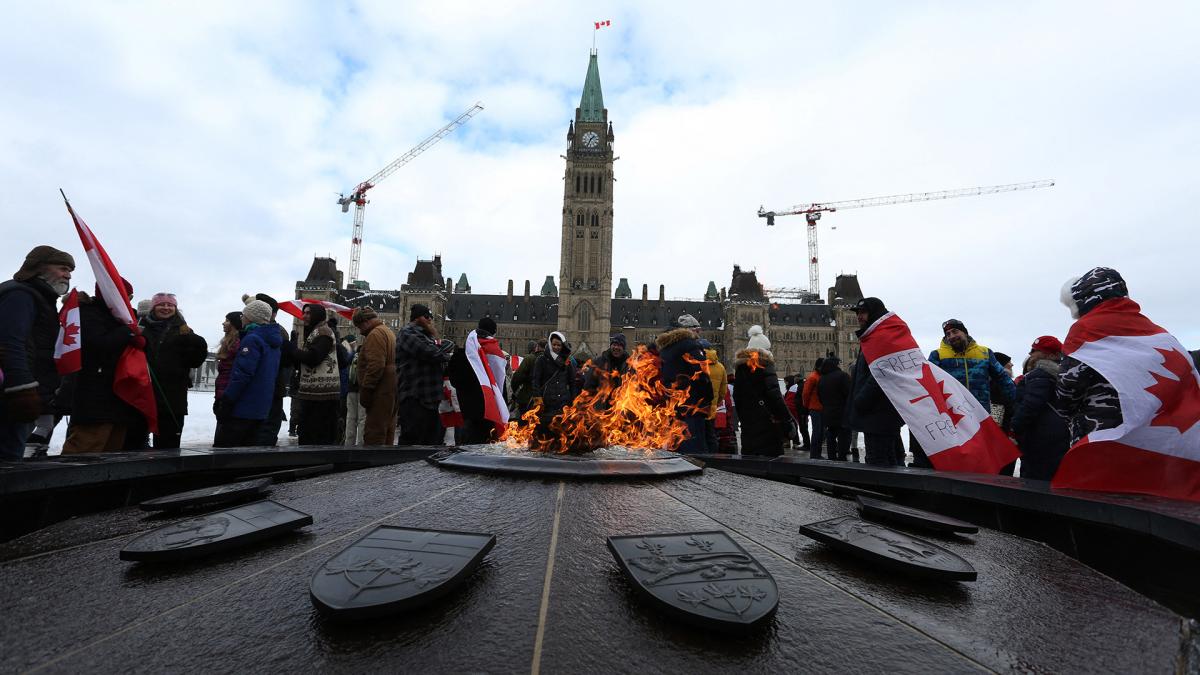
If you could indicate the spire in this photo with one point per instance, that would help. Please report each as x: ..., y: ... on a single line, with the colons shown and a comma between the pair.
x: 591, y: 105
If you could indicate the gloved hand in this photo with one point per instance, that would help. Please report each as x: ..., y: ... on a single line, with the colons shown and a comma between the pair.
x: 22, y: 406
x: 137, y: 342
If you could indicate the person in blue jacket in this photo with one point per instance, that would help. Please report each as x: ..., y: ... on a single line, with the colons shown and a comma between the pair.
x: 972, y: 364
x: 247, y: 399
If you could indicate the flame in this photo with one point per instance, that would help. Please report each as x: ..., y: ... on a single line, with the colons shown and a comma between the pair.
x: 639, y: 413
x: 752, y: 361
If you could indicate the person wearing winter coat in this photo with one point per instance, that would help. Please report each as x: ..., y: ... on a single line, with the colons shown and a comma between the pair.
x: 1042, y: 436
x: 268, y: 431
x: 812, y: 402
x: 227, y: 351
x: 246, y: 402
x: 720, y: 384
x: 99, y: 418
x: 608, y: 368
x: 760, y: 406
x: 972, y: 364
x: 522, y: 379
x: 28, y: 335
x: 834, y: 391
x: 320, y: 386
x: 421, y: 360
x: 376, y: 374
x: 683, y: 365
x: 868, y: 409
x: 172, y: 350
x: 553, y: 381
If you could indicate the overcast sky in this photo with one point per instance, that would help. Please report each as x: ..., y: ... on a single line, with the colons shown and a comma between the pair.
x: 206, y: 143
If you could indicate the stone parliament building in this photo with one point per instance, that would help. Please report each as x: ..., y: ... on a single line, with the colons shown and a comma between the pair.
x: 582, y: 304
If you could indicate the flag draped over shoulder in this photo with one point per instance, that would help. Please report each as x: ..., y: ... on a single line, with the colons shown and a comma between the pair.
x: 67, y: 355
x: 296, y: 307
x: 487, y: 361
x: 131, y: 379
x: 1156, y: 449
x: 952, y: 427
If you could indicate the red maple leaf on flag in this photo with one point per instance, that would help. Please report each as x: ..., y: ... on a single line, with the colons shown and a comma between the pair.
x: 937, y: 394
x: 69, y: 332
x: 1180, y: 398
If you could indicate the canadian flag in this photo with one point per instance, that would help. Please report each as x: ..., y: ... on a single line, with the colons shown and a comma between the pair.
x: 67, y: 357
x: 514, y: 361
x: 296, y: 307
x: 449, y: 410
x: 952, y: 427
x: 488, y: 360
x: 600, y: 24
x: 131, y: 379
x: 1156, y: 449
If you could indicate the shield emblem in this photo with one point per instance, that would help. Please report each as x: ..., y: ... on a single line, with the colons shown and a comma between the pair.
x: 890, y: 549
x: 215, y: 532
x: 393, y: 569
x: 701, y: 577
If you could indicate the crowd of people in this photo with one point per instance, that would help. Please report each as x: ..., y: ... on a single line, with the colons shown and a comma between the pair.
x: 377, y: 387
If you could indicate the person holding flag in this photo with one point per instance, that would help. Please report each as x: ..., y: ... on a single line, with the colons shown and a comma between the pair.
x: 1130, y: 393
x: 477, y: 372
x: 956, y: 431
x: 868, y: 410
x: 28, y: 336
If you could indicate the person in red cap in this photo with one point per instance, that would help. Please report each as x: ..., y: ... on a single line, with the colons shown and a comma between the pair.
x: 1041, y: 434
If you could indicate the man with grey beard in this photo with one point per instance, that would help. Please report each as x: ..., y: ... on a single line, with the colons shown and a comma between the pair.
x: 28, y: 377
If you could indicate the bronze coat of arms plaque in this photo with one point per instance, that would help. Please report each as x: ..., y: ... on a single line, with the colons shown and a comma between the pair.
x: 394, y: 569
x: 220, y: 494
x: 873, y: 509
x: 890, y: 549
x: 701, y: 577
x: 215, y: 532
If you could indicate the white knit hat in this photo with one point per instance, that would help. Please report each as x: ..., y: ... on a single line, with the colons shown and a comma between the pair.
x: 757, y: 339
x: 256, y: 311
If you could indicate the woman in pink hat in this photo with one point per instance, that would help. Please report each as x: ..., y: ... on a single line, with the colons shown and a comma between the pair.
x: 172, y: 350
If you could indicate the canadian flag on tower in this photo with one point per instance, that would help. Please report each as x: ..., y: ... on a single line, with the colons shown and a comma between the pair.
x: 67, y: 355
x: 952, y: 427
x: 1156, y: 448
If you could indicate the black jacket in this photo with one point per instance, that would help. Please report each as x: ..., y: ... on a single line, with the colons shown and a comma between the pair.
x: 833, y: 390
x: 103, y: 339
x: 602, y: 368
x: 554, y: 381
x: 172, y: 351
x: 1042, y: 435
x: 27, y: 352
x: 868, y: 409
x: 759, y: 403
x: 682, y: 357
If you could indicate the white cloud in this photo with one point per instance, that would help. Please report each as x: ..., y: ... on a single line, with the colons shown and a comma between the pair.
x: 206, y: 146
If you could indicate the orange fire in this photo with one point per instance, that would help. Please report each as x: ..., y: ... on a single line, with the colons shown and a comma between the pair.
x: 752, y: 361
x: 639, y: 413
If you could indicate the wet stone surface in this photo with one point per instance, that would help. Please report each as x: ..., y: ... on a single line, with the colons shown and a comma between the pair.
x: 70, y: 605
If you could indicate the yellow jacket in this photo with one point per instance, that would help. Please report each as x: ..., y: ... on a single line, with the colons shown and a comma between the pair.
x: 720, y: 381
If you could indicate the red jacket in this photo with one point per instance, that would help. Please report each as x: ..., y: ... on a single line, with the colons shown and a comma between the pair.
x: 809, y: 395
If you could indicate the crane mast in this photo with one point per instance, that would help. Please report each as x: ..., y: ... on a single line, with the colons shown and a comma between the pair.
x: 358, y: 196
x: 812, y: 213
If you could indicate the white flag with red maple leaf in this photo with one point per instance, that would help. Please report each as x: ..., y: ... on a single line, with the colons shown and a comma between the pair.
x: 1156, y: 449
x: 67, y: 355
x: 953, y: 428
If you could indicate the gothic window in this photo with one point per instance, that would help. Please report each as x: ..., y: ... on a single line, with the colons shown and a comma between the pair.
x: 585, y: 318
x: 595, y: 221
x: 591, y: 182
x: 600, y: 185
x: 579, y: 234
x: 576, y: 183
x: 595, y: 234
x: 579, y: 220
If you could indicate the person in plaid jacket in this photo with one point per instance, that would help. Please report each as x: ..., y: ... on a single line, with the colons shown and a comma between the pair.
x: 421, y: 359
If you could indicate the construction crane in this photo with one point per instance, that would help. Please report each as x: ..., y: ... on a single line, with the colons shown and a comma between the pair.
x: 358, y: 196
x: 812, y: 213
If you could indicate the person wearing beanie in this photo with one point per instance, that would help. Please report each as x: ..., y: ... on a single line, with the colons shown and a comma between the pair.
x: 421, y: 360
x: 143, y: 308
x: 868, y: 408
x: 320, y: 388
x: 603, y: 376
x: 762, y: 413
x: 757, y: 339
x: 172, y: 350
x: 376, y: 375
x: 28, y: 334
x: 1042, y: 436
x: 268, y: 431
x: 245, y: 403
x: 682, y: 358
x: 833, y: 389
x: 972, y: 364
x: 476, y: 427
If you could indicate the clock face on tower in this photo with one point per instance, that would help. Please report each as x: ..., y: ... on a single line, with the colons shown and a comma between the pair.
x: 591, y: 139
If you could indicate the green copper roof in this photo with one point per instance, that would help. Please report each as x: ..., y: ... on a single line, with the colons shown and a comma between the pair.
x: 623, y: 290
x: 591, y: 105
x: 548, y: 287
x: 711, y: 293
